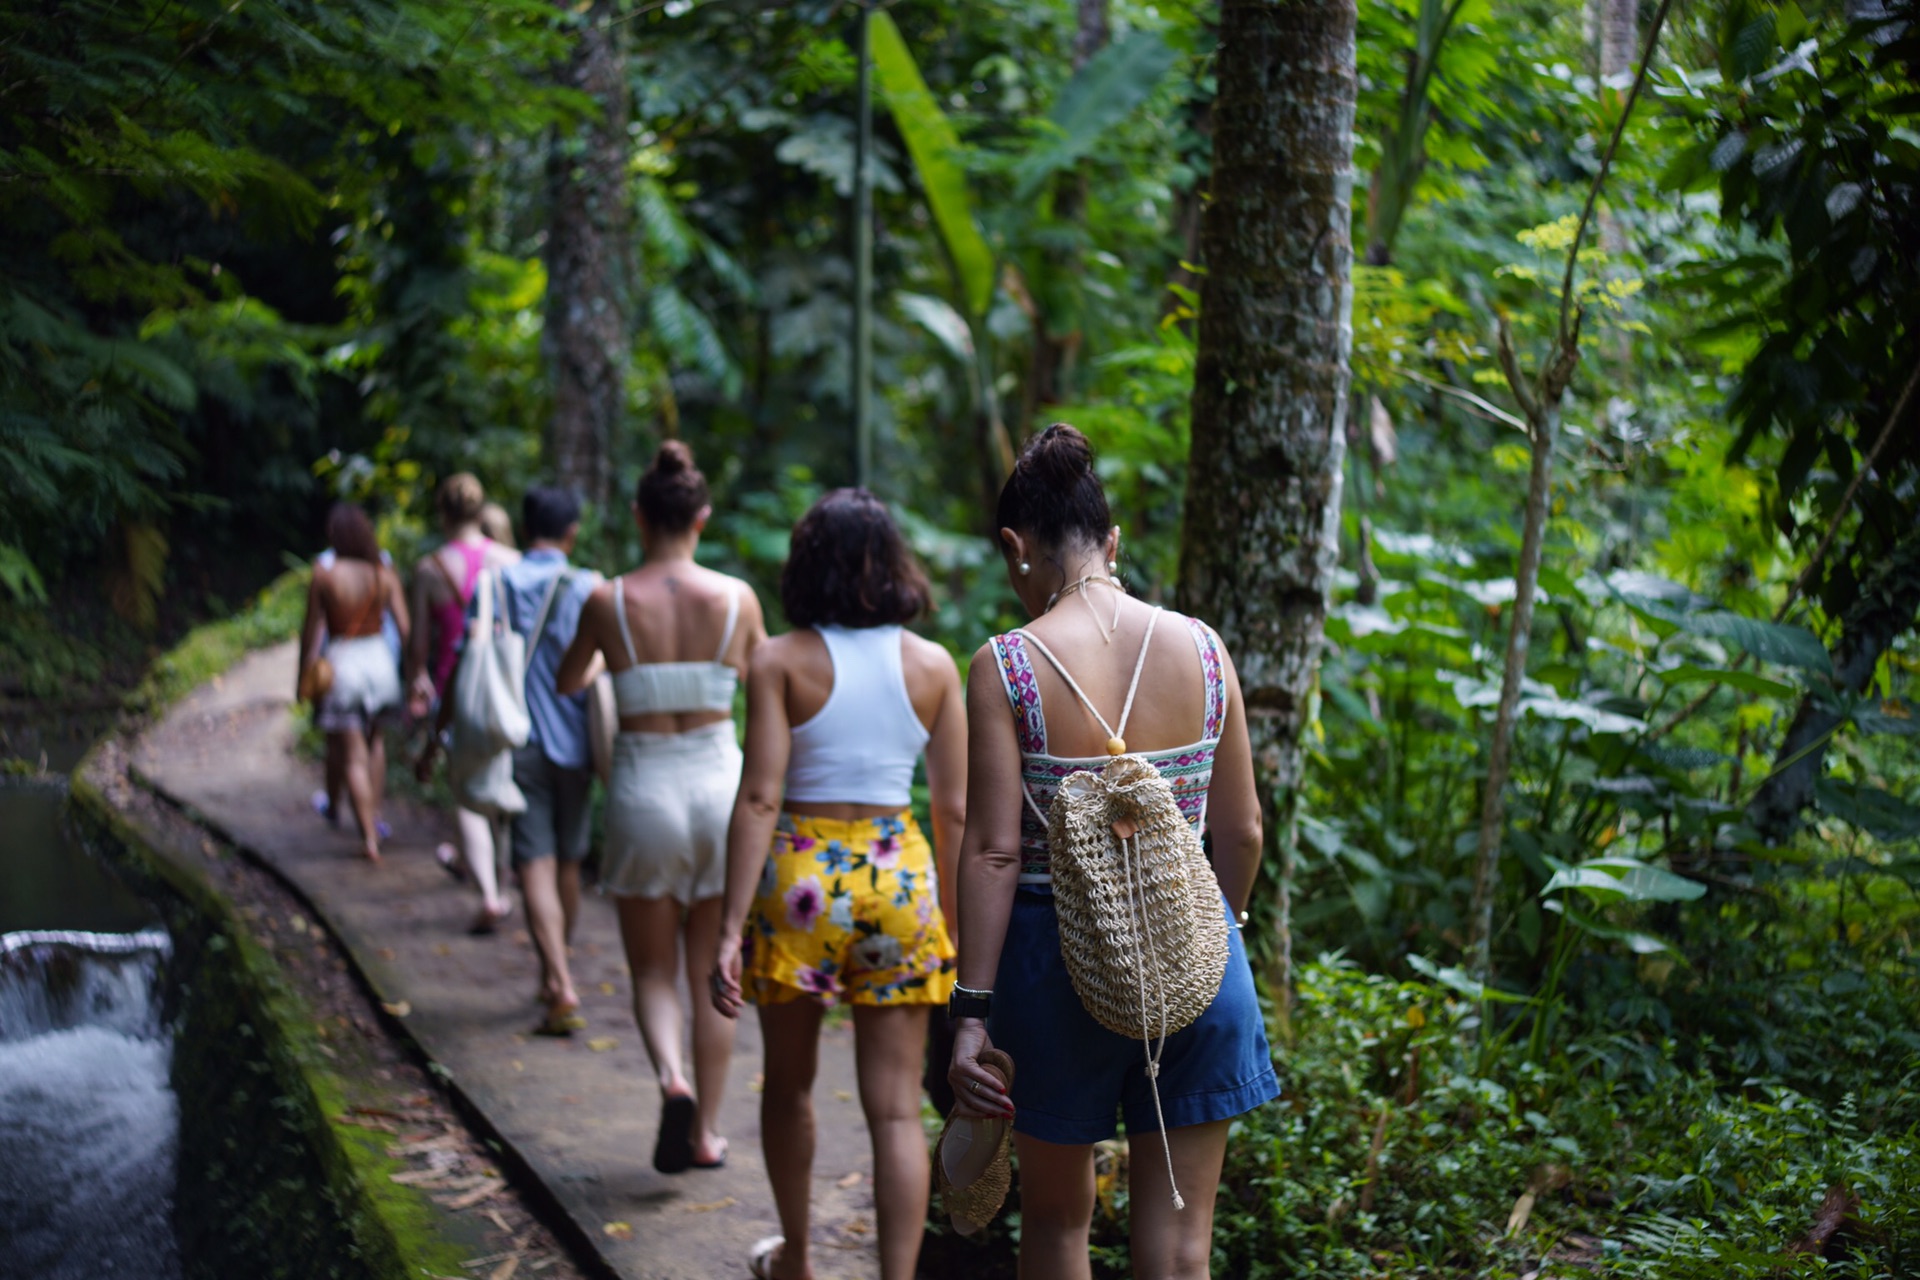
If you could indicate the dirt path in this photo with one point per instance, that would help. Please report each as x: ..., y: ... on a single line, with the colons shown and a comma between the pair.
x: 579, y: 1114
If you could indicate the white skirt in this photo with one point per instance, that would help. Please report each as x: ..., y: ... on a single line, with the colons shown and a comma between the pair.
x: 669, y: 800
x: 366, y: 685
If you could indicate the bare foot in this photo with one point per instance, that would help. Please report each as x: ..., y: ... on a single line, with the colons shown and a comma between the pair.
x: 709, y: 1151
x: 371, y: 852
x: 773, y: 1265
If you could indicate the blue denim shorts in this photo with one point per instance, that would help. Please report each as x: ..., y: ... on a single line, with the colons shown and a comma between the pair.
x: 1072, y: 1075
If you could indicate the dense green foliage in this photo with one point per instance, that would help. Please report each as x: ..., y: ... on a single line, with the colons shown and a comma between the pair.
x: 267, y: 254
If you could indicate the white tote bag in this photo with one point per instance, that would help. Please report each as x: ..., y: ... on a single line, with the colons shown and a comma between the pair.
x: 490, y: 717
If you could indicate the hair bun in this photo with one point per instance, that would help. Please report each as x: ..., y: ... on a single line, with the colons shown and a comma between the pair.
x: 1059, y: 456
x: 673, y: 457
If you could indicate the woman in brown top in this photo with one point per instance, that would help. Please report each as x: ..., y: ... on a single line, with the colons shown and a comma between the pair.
x: 348, y: 599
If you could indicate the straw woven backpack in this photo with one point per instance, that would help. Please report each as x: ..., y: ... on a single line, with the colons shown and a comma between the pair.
x: 1142, y: 929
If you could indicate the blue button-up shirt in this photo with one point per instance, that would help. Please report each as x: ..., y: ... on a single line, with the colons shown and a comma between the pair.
x: 559, y: 724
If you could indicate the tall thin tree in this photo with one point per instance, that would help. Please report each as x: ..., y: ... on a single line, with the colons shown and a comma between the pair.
x: 1271, y: 382
x: 587, y: 338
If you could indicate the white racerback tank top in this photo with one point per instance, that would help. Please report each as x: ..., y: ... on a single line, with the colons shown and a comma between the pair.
x: 860, y: 748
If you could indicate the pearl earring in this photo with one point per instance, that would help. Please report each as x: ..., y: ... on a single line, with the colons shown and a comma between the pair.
x: 1113, y: 566
x: 1025, y: 568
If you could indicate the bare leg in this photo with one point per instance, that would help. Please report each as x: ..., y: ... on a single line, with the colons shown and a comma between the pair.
x: 539, y: 881
x: 569, y: 885
x: 791, y: 1034
x: 336, y: 773
x: 890, y: 1047
x: 1175, y: 1244
x: 650, y: 932
x: 360, y: 791
x: 476, y: 842
x: 1056, y: 1210
x: 377, y: 771
x: 712, y: 1031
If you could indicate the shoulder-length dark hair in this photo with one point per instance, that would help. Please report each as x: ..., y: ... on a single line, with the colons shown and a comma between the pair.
x: 849, y: 567
x: 350, y: 534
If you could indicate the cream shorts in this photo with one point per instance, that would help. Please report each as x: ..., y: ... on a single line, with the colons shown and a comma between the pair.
x: 669, y: 800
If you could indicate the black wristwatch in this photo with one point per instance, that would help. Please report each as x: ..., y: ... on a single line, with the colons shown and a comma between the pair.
x: 968, y: 1003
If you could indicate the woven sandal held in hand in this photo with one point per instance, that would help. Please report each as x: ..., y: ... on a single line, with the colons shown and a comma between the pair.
x: 972, y: 1162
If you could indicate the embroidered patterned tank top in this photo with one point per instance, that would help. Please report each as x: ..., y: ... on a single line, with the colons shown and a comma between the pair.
x: 674, y: 687
x: 1188, y: 770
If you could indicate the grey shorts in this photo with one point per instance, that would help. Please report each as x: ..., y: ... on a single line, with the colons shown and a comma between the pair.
x: 554, y: 823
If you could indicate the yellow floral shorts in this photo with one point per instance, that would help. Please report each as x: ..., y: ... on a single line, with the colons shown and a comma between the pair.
x: 848, y: 911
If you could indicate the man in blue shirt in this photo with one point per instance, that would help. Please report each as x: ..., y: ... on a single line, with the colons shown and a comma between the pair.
x: 554, y: 771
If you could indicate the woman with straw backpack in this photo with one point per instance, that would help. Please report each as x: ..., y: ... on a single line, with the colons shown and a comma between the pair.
x: 1098, y: 695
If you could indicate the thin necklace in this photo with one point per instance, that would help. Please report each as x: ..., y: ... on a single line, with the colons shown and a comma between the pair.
x: 1107, y: 629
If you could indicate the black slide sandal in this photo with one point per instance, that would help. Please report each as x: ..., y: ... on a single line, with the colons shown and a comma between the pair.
x: 673, y: 1150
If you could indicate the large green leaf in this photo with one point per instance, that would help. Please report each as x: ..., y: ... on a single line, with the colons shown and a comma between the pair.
x: 1624, y: 880
x: 1641, y: 944
x: 1101, y: 94
x: 935, y: 148
x: 1776, y: 642
x: 1746, y: 681
x: 1880, y: 814
x: 690, y: 337
x: 1779, y: 643
x: 1465, y: 983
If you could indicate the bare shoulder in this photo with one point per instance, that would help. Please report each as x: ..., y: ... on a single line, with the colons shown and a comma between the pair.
x: 726, y: 584
x: 924, y: 657
x: 500, y: 555
x: 780, y: 653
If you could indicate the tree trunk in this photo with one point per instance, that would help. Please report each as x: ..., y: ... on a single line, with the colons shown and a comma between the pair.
x: 587, y: 339
x: 1526, y: 581
x: 1271, y: 378
x: 1887, y: 606
x: 1619, y: 37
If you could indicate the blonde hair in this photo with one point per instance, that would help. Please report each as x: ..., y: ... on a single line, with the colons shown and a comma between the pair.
x: 459, y: 499
x: 497, y: 524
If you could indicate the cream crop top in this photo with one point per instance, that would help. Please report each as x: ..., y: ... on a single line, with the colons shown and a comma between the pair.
x: 668, y: 688
x: 860, y: 748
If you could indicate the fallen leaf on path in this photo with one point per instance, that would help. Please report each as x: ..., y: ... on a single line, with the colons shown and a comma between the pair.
x: 619, y: 1230
x: 758, y: 1084
x: 385, y: 953
x: 606, y: 988
x: 711, y: 1205
x: 442, y: 949
x: 366, y: 1123
x: 843, y: 1095
x: 519, y: 1065
x: 858, y: 1227
x: 506, y: 1269
x: 474, y: 1264
x: 475, y: 1196
x: 494, y: 1216
x: 570, y: 1099
x: 400, y: 1010
x: 601, y: 1044
x: 851, y: 1180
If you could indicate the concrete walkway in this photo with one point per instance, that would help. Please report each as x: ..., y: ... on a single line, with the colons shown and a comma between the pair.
x: 580, y: 1113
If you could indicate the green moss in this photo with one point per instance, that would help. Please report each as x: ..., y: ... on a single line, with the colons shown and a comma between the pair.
x: 208, y: 650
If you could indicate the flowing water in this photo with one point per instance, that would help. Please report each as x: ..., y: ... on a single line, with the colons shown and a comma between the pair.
x: 89, y: 1121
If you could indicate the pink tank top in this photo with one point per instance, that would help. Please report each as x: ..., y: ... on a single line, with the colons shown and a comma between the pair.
x: 450, y: 616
